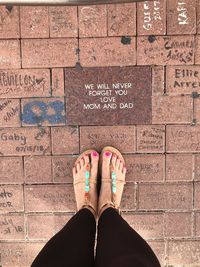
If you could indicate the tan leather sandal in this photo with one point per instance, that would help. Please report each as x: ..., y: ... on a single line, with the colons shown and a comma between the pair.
x: 87, y: 180
x: 116, y: 184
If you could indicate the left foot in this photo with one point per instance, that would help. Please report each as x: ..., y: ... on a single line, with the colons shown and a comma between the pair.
x: 85, y: 181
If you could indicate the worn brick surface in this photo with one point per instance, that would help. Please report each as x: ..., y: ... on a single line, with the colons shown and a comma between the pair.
x: 49, y: 52
x: 172, y: 109
x: 182, y: 79
x: 38, y: 44
x: 178, y: 224
x: 24, y: 141
x: 11, y: 170
x: 19, y: 254
x: 62, y: 168
x: 151, y: 17
x: 12, y: 227
x: 92, y: 21
x: 37, y: 169
x: 183, y: 138
x: 10, y: 113
x: 145, y: 167
x: 11, y: 198
x: 121, y: 19
x: 110, y: 51
x: 165, y: 50
x: 49, y: 198
x: 184, y: 252
x: 148, y: 225
x: 58, y: 82
x: 70, y: 143
x: 150, y: 138
x: 121, y: 137
x: 34, y: 22
x: 24, y: 83
x: 63, y: 21
x: 167, y: 196
x: 179, y: 167
x: 10, y: 54
x: 9, y: 22
x: 181, y: 17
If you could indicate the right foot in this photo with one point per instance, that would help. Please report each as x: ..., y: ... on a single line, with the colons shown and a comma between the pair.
x: 110, y: 196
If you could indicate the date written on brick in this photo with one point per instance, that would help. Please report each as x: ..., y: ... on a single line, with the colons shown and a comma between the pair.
x: 181, y: 79
x: 43, y: 112
x: 24, y: 141
x: 10, y: 226
x: 24, y: 83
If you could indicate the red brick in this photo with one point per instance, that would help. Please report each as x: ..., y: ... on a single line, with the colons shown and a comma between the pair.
x: 49, y: 198
x: 10, y: 54
x: 43, y: 111
x: 183, y: 252
x: 197, y: 195
x: 12, y: 227
x: 148, y: 225
x: 10, y: 113
x: 151, y: 17
x: 159, y: 249
x: 121, y: 137
x: 183, y: 138
x: 60, y: 221
x: 24, y: 141
x: 197, y: 51
x: 37, y: 229
x: 49, y: 53
x: 69, y: 137
x: 158, y: 80
x: 150, y: 138
x: 9, y: 22
x: 178, y: 224
x: 165, y: 50
x: 34, y: 21
x: 121, y: 19
x: 108, y: 51
x: 24, y: 83
x: 129, y: 197
x: 172, y: 109
x: 11, y: 198
x: 197, y: 167
x: 179, y: 167
x: 144, y: 168
x: 58, y: 82
x: 197, y: 224
x: 11, y: 170
x: 181, y: 17
x: 92, y: 21
x: 62, y: 168
x: 197, y: 109
x: 198, y: 17
x: 182, y: 79
x: 20, y: 254
x: 37, y: 169
x: 63, y: 21
x: 169, y: 196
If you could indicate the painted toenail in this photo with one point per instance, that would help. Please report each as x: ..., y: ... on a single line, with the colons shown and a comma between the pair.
x: 107, y: 154
x: 95, y: 154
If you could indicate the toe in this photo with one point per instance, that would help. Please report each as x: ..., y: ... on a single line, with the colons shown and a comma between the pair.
x: 94, y: 163
x: 117, y: 163
x: 82, y: 162
x: 74, y: 171
x: 107, y: 157
x: 86, y: 159
x: 113, y: 160
x: 121, y: 166
x: 78, y: 167
x: 124, y: 170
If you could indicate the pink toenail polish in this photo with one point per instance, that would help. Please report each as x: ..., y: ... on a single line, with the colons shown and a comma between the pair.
x: 95, y: 154
x: 107, y: 154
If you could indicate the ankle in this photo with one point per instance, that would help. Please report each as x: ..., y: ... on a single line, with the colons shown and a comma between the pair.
x: 91, y: 209
x: 105, y: 207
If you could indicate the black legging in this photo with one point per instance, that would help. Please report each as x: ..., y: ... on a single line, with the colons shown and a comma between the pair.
x: 118, y: 245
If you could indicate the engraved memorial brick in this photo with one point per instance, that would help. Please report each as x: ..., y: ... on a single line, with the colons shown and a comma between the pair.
x: 108, y: 96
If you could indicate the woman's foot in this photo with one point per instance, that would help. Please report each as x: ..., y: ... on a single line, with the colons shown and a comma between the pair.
x: 85, y: 181
x: 113, y: 180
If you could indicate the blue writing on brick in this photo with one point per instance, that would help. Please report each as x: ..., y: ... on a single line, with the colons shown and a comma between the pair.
x: 31, y: 116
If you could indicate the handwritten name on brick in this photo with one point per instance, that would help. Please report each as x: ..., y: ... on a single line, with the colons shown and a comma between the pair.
x: 11, y: 198
x: 24, y: 141
x: 24, y: 83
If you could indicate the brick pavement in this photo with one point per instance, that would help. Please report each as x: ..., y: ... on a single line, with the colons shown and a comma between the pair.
x: 162, y: 195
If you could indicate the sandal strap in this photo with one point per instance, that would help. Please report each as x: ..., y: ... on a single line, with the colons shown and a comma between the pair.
x: 109, y: 204
x: 110, y: 180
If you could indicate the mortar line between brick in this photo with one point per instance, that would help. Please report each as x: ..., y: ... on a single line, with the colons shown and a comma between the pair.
x: 107, y: 19
x: 78, y: 37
